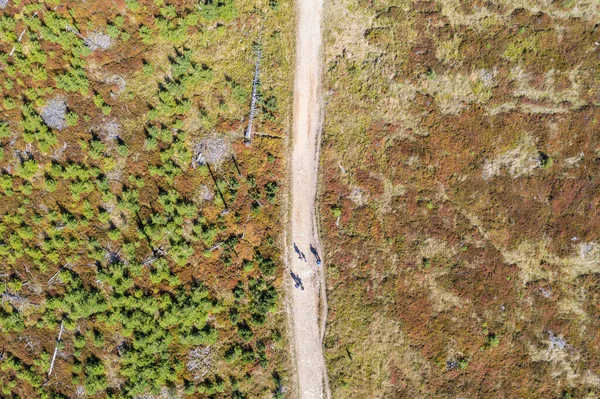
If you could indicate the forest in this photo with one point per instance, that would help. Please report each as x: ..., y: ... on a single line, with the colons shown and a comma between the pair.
x: 138, y: 231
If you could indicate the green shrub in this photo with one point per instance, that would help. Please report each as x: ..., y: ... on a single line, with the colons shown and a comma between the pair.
x: 27, y: 169
x: 95, y: 380
x: 114, y: 234
x: 79, y: 342
x: 5, y: 130
x: 493, y: 340
x: 248, y: 355
x: 266, y: 265
x: 6, y: 182
x: 112, y: 31
x: 123, y: 149
x: 39, y: 73
x: 232, y: 353
x: 244, y: 331
x: 34, y: 128
x: 75, y: 79
x: 50, y: 185
x: 147, y: 69
x: 71, y: 118
x: 9, y: 103
x: 133, y: 5
x: 26, y: 188
x: 146, y: 35
x: 11, y: 321
x: 336, y: 210
x: 223, y: 10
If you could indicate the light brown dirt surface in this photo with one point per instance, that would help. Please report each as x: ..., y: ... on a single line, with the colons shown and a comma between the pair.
x: 305, y: 303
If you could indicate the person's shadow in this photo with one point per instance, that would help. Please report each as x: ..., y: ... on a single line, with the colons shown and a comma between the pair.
x: 297, y: 280
x: 298, y: 251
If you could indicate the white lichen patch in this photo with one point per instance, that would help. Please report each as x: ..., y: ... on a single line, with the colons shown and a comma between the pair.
x: 449, y: 51
x: 480, y: 17
x: 98, y: 41
x: 390, y: 191
x: 573, y: 162
x: 203, y: 193
x: 442, y: 300
x: 587, y: 260
x: 54, y: 113
x: 110, y: 129
x: 386, y: 348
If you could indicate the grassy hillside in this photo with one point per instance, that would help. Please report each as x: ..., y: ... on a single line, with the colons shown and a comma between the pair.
x: 459, y: 198
x: 162, y: 271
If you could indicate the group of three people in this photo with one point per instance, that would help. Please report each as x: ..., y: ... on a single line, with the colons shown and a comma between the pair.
x: 301, y: 256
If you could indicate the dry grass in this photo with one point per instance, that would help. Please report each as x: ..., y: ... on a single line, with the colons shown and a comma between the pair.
x: 481, y: 17
x: 518, y: 162
x: 561, y: 100
x: 471, y: 126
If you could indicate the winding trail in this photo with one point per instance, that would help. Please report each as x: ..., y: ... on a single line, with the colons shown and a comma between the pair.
x: 306, y: 304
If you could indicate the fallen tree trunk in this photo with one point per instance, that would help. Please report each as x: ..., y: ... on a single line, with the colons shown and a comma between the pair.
x: 56, y: 348
x: 248, y: 134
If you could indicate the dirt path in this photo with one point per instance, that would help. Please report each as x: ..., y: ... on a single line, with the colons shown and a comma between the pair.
x: 305, y: 304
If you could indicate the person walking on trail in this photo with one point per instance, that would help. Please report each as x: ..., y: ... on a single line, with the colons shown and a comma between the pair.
x: 301, y: 255
x: 313, y: 250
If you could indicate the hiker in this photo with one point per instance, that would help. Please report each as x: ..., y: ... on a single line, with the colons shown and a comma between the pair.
x: 316, y: 254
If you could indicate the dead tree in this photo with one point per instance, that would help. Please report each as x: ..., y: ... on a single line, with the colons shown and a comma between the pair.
x: 59, y: 270
x: 17, y: 301
x: 21, y: 37
x: 248, y: 134
x: 94, y: 41
x: 56, y: 348
x: 212, y: 151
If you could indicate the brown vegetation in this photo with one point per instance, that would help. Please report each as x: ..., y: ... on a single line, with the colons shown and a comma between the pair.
x: 461, y: 158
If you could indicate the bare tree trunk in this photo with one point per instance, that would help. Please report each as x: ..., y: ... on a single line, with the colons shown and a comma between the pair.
x: 56, y: 348
x: 248, y: 135
x: 20, y: 38
x: 56, y: 274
